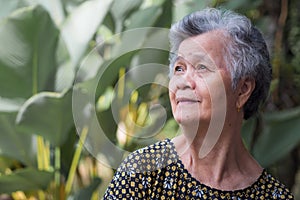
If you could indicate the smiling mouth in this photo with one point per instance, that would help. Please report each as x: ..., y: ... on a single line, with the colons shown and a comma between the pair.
x: 186, y: 100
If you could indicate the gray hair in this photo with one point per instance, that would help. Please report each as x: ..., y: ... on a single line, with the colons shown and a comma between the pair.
x: 246, y: 55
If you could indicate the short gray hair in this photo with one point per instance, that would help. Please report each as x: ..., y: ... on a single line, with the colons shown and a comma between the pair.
x: 246, y: 55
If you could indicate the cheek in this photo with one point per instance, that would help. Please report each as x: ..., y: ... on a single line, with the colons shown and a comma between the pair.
x: 172, y: 99
x: 172, y: 91
x: 216, y: 90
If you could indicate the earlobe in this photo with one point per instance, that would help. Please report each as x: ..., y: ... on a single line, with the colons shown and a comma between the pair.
x: 245, y: 89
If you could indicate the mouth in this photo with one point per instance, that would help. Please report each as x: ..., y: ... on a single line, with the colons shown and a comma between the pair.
x: 186, y: 100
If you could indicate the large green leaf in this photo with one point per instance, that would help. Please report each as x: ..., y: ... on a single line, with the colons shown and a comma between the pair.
x: 81, y: 25
x: 28, y: 40
x: 121, y: 9
x: 140, y: 38
x: 26, y: 180
x: 106, y: 76
x: 10, y: 105
x: 64, y: 77
x: 13, y: 143
x: 150, y: 62
x: 55, y: 9
x: 144, y: 18
x: 89, y: 67
x: 280, y: 135
x: 47, y: 114
x: 7, y: 7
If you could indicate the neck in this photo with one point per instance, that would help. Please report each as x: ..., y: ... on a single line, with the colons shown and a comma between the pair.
x: 224, y: 158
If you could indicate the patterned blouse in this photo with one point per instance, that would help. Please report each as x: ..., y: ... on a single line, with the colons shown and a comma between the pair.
x: 156, y: 172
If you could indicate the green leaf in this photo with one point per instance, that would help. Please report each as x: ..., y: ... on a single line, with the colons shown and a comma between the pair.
x: 67, y: 151
x: 144, y: 18
x: 90, y: 66
x: 247, y: 131
x: 28, y: 40
x: 64, y: 77
x: 165, y: 20
x: 13, y: 143
x: 81, y: 25
x: 183, y: 8
x: 121, y: 9
x: 152, y: 58
x: 109, y: 22
x: 105, y: 100
x: 140, y: 38
x: 7, y: 7
x: 87, y: 192
x: 6, y: 163
x: 107, y: 76
x: 47, y: 114
x: 10, y: 105
x: 280, y: 135
x: 55, y: 9
x: 26, y: 180
x: 242, y: 5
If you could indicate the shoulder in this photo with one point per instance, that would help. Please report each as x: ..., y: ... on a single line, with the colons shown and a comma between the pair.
x: 150, y: 158
x: 134, y: 174
x: 274, y: 187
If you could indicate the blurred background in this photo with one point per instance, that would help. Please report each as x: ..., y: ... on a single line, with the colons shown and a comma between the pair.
x: 74, y: 85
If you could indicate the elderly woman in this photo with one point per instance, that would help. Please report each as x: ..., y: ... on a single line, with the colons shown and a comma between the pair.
x: 220, y: 72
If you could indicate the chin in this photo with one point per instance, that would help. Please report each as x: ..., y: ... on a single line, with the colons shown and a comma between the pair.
x: 192, y: 120
x: 187, y: 120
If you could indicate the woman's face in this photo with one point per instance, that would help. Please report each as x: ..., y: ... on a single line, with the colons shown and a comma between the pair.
x: 200, y: 86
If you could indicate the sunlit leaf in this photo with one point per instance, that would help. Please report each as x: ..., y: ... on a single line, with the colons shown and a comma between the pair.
x: 64, y: 77
x: 81, y: 25
x: 55, y: 9
x: 105, y: 100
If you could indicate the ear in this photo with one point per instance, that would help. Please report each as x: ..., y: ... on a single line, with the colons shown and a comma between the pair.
x: 244, y: 91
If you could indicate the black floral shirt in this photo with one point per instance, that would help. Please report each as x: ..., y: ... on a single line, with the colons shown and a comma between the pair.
x: 156, y: 172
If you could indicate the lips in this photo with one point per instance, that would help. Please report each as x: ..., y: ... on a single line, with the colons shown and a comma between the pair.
x: 186, y: 100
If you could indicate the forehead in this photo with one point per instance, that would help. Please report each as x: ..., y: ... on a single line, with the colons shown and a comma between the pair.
x: 204, y: 42
x: 209, y: 47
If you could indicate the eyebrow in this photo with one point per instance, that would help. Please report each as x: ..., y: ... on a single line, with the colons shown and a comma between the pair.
x: 198, y: 56
x: 179, y: 58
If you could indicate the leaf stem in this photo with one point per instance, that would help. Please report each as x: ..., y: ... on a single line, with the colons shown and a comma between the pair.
x: 75, y: 160
x: 57, y: 171
x: 40, y: 154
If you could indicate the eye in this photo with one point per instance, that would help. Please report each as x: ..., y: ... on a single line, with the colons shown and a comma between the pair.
x: 178, y: 68
x: 201, y: 67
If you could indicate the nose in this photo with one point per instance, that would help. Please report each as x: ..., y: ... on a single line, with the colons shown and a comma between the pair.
x: 185, y: 81
x: 190, y: 79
